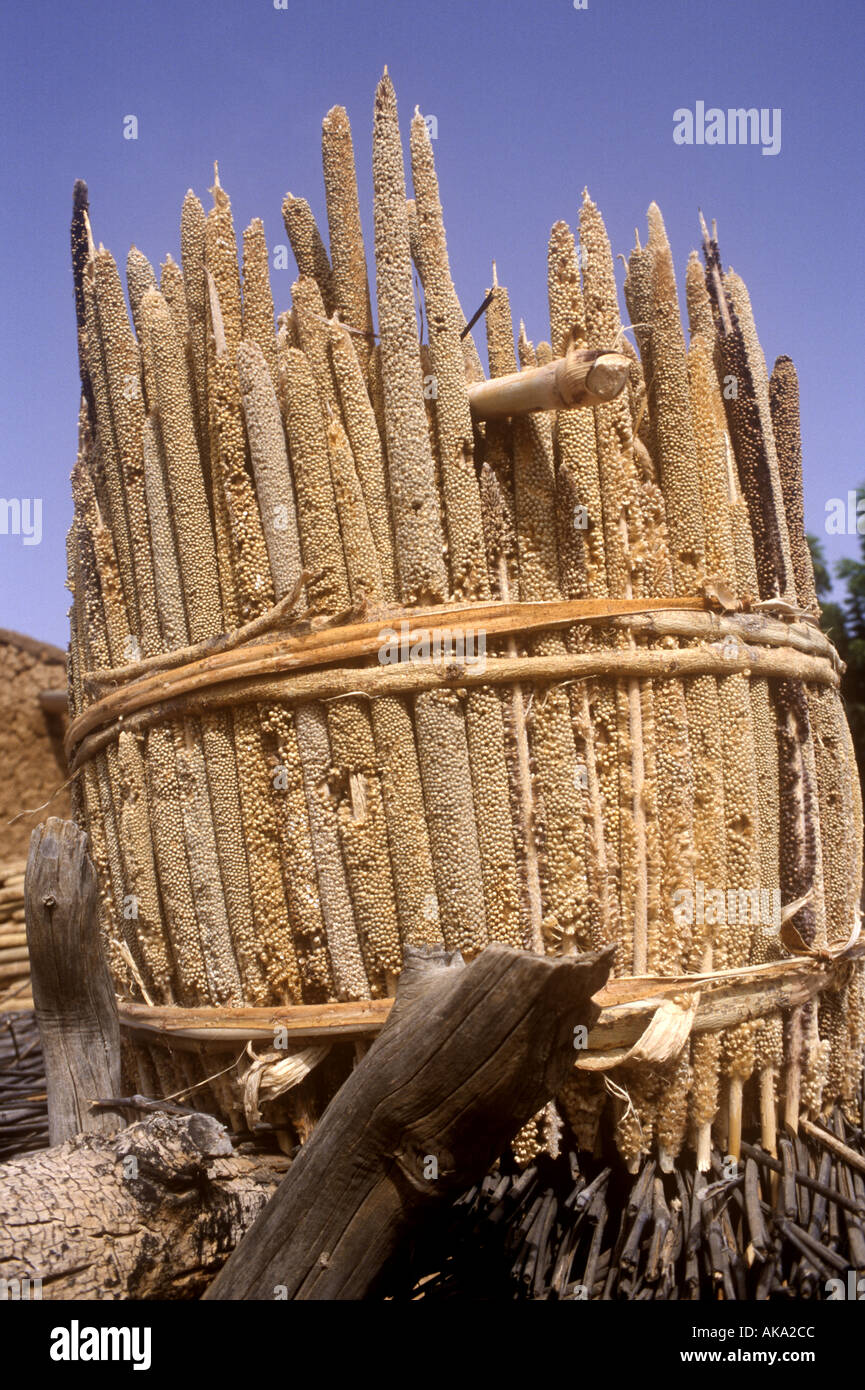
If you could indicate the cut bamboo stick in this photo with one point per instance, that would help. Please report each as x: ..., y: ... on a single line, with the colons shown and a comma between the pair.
x: 585, y: 377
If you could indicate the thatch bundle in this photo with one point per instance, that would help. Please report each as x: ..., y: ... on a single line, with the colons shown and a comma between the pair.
x: 637, y: 737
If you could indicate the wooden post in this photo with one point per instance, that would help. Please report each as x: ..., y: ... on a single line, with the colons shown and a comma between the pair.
x: 467, y: 1056
x: 72, y: 990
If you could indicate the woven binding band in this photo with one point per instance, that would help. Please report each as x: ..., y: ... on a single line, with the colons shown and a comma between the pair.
x: 643, y: 1018
x: 312, y: 665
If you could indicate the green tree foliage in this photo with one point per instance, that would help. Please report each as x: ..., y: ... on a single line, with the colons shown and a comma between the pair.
x: 845, y: 625
x: 822, y: 577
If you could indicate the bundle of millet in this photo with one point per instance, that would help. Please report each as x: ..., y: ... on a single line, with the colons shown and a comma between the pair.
x: 286, y: 851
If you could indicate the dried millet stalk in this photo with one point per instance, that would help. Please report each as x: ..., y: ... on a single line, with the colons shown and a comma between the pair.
x: 593, y: 713
x: 468, y: 574
x: 192, y: 244
x: 500, y: 544
x: 416, y: 509
x: 258, y: 325
x: 140, y: 277
x: 313, y: 332
x: 308, y: 248
x: 270, y: 467
x: 360, y: 807
x: 216, y: 779
x: 506, y: 539
x: 198, y: 982
x: 253, y: 585
x: 625, y: 553
x: 362, y: 430
x: 262, y: 940
x: 215, y: 728
x: 303, y: 734
x: 419, y: 539
x: 396, y: 755
x: 102, y: 798
x: 185, y: 489
x: 561, y: 832
x: 749, y: 420
x: 348, y: 257
x: 467, y: 560
x: 171, y: 287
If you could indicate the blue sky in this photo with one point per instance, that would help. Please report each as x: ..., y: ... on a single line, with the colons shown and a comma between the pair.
x: 533, y: 102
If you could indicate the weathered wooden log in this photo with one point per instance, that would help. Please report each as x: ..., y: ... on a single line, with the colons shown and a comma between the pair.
x: 72, y: 988
x: 584, y: 377
x: 468, y: 1054
x: 147, y: 1213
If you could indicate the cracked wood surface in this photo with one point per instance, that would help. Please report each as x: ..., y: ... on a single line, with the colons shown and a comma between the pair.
x: 149, y: 1213
x: 467, y: 1056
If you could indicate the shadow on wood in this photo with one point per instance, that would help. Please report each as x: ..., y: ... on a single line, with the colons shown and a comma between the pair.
x: 467, y: 1056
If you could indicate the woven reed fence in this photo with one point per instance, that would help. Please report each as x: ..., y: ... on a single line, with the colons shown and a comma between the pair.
x: 632, y: 731
x: 15, y: 992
